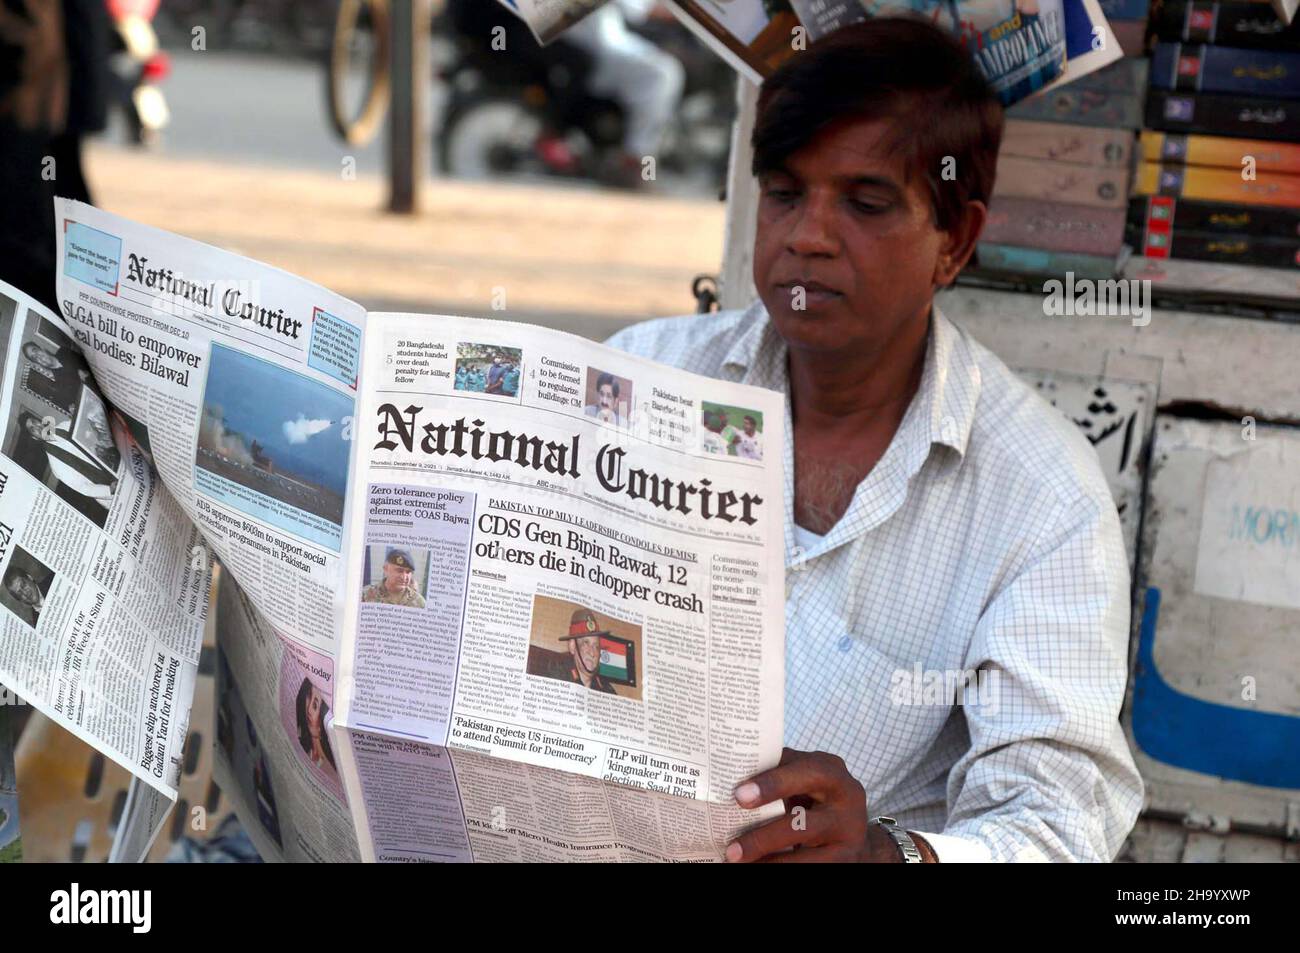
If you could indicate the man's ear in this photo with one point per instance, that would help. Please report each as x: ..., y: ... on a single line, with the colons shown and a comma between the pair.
x: 959, y: 243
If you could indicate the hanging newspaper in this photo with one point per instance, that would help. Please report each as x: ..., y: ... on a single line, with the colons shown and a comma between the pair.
x: 488, y: 591
x: 1020, y: 45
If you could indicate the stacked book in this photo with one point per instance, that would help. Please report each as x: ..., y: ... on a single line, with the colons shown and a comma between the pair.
x: 1063, y: 177
x: 1128, y: 20
x: 1218, y: 178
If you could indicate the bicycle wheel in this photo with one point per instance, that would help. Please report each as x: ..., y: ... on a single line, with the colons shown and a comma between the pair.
x: 361, y: 34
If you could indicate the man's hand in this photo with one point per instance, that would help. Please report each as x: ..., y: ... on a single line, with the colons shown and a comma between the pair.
x: 825, y: 819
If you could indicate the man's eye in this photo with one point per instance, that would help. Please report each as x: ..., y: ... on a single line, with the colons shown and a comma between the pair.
x: 869, y: 208
x: 781, y: 195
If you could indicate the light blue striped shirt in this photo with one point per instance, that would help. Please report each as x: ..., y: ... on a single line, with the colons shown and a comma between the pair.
x: 985, y: 540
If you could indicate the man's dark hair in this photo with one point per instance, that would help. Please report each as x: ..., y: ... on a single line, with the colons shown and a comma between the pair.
x: 896, y: 68
x: 13, y: 574
x: 609, y: 379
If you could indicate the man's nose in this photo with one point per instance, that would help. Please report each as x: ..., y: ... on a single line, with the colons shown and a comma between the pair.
x: 813, y: 233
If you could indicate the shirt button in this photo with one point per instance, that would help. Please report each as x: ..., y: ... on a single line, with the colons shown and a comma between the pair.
x: 844, y: 644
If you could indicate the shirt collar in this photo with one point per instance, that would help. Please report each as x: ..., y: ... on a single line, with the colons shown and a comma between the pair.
x: 756, y: 338
x: 945, y: 400
x: 942, y: 413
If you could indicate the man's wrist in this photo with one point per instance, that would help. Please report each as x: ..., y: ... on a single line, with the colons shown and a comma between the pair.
x: 927, y: 852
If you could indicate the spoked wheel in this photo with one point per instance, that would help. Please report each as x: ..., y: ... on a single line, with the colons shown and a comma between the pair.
x: 359, y: 53
x: 490, y: 139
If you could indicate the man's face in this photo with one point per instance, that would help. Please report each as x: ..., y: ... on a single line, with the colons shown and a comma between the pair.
x: 396, y: 578
x: 34, y: 428
x: 606, y: 397
x: 749, y: 427
x: 586, y: 649
x: 844, y: 222
x: 24, y: 590
x: 38, y: 355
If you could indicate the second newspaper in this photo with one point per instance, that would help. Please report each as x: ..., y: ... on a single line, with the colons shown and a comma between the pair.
x: 490, y: 591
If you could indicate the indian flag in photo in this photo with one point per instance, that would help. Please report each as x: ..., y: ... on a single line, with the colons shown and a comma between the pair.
x: 613, y: 659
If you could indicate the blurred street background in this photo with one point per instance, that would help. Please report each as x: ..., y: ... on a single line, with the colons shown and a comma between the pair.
x: 248, y: 160
x: 211, y: 119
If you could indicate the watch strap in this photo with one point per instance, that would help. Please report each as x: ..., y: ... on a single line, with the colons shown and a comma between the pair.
x: 906, y: 846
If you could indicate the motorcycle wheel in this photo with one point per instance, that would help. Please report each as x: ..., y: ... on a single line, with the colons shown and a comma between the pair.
x: 490, y: 138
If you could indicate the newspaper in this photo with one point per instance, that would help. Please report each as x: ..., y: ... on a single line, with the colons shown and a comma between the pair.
x: 604, y: 537
x: 103, y: 582
x: 549, y: 18
x: 1019, y: 45
x: 487, y: 590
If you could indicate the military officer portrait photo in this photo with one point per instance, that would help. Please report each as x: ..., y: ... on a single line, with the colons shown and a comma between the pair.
x: 570, y: 643
x: 396, y: 576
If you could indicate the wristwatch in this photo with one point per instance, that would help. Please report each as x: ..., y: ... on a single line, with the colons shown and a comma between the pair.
x: 907, y: 846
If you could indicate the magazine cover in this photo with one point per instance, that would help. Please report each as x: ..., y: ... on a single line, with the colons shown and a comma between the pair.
x: 1018, y: 44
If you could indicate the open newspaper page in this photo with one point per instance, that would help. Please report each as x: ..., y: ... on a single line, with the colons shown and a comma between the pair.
x: 240, y: 382
x: 102, y: 598
x: 565, y: 633
x: 274, y: 758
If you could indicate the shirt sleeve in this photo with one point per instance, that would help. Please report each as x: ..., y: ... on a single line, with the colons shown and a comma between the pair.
x: 1049, y: 775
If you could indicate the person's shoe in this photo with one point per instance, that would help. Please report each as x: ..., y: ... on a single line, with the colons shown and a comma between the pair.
x: 623, y: 171
x: 557, y: 155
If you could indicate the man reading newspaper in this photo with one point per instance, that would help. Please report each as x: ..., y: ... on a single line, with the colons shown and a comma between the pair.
x: 573, y: 647
x: 941, y: 520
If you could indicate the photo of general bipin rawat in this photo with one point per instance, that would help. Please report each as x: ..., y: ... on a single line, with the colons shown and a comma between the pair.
x: 571, y: 643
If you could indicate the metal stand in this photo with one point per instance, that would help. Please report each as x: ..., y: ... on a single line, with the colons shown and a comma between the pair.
x: 407, y: 140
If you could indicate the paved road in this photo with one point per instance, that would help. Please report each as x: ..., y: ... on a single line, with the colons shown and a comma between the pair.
x: 270, y: 109
x: 587, y: 261
x: 250, y: 163
x: 250, y: 108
